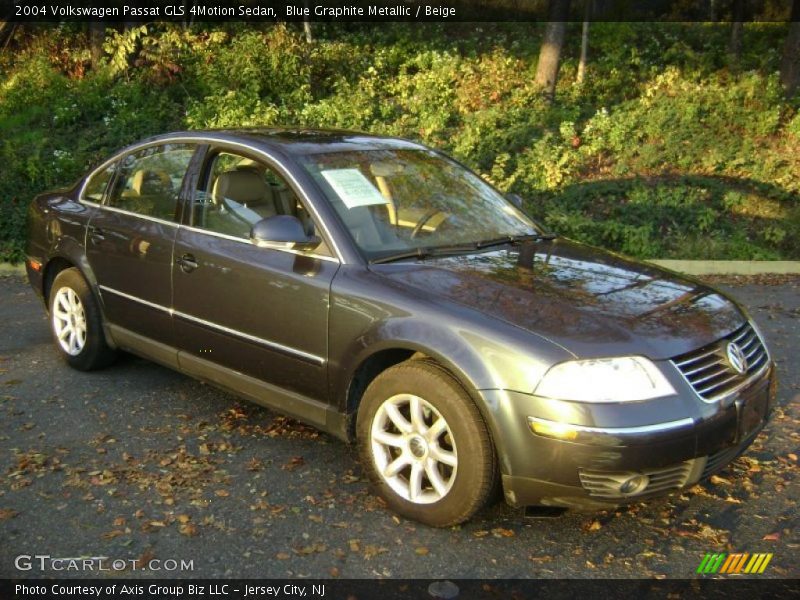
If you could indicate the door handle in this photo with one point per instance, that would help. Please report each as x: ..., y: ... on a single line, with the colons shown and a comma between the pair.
x: 96, y: 235
x: 187, y: 263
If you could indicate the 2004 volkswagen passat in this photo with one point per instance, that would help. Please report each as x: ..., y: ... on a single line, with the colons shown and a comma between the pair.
x: 382, y: 292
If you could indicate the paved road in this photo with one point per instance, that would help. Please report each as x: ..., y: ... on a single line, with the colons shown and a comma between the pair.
x: 138, y: 462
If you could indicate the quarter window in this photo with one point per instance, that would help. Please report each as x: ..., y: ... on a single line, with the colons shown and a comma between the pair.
x: 97, y: 184
x: 149, y: 180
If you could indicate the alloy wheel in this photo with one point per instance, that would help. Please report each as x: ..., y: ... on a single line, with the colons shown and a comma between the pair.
x: 413, y: 449
x: 69, y: 321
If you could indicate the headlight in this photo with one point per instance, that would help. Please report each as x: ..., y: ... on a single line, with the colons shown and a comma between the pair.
x: 621, y: 379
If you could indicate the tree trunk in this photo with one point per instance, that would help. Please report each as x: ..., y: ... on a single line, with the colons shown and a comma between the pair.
x: 6, y: 33
x: 737, y: 30
x: 97, y: 35
x: 550, y: 53
x: 307, y: 28
x: 790, y: 65
x: 584, y: 42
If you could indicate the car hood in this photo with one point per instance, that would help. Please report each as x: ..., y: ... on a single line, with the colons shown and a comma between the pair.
x: 592, y: 302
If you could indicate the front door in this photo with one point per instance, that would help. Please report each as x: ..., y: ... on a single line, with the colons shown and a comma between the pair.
x: 256, y: 311
x: 130, y: 238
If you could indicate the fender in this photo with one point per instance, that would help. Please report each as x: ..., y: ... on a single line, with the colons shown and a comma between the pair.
x: 70, y: 249
x: 479, y: 363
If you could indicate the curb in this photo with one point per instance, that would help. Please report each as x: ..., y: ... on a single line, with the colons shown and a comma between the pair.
x: 690, y: 267
x: 9, y: 269
x: 731, y: 267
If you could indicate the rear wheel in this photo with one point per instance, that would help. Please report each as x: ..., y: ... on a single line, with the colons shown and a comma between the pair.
x: 76, y: 323
x: 425, y: 445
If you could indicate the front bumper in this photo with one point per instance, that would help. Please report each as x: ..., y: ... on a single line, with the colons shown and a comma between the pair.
x: 673, y: 444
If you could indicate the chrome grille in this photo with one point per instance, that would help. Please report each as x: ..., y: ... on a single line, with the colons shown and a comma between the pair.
x: 708, y: 370
x: 605, y: 484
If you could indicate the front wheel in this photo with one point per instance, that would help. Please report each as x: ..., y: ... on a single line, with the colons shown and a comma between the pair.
x: 76, y: 322
x: 425, y: 445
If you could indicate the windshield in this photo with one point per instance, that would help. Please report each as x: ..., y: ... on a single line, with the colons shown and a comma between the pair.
x: 399, y: 200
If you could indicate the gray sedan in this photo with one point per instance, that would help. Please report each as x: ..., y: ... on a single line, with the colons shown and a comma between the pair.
x: 384, y: 293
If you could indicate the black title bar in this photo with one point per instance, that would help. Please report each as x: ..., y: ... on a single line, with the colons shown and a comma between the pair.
x: 188, y: 11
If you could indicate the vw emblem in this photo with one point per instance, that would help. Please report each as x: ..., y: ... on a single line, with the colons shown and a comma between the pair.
x: 736, y: 358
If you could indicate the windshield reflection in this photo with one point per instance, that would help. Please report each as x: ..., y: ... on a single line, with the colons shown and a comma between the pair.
x: 399, y: 200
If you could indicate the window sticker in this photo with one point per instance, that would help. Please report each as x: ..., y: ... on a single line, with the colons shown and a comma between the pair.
x: 353, y: 188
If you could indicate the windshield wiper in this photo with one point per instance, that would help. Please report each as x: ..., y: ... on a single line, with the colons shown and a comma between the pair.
x: 515, y: 239
x: 423, y: 252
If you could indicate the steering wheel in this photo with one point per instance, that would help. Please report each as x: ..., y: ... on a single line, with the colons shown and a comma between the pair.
x: 427, y: 217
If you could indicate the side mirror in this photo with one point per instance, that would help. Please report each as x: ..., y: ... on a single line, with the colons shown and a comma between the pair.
x: 282, y: 232
x: 515, y: 199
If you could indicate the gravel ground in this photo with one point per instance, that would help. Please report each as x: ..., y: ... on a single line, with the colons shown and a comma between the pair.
x: 137, y: 462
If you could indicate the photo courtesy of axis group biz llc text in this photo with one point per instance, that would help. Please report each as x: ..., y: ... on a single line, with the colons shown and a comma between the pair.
x: 174, y: 589
x: 399, y: 299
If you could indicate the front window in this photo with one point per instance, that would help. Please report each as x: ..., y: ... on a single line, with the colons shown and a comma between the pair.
x: 398, y: 200
x: 236, y: 192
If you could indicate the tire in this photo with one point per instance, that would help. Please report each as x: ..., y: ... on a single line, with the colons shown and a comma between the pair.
x: 437, y: 473
x: 76, y: 323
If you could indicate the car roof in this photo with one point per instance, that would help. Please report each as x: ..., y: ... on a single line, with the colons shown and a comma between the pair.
x: 298, y: 141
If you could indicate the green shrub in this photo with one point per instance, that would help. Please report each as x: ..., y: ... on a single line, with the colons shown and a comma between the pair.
x: 667, y: 149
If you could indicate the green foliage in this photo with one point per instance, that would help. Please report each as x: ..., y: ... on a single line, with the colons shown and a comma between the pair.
x: 666, y: 150
x: 120, y: 46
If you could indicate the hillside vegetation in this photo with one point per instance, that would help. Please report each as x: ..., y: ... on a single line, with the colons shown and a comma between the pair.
x: 669, y: 148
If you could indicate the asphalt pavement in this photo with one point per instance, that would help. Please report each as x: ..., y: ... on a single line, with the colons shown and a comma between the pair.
x: 140, y: 464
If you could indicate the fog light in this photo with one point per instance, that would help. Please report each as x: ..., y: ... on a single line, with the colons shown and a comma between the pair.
x: 634, y: 485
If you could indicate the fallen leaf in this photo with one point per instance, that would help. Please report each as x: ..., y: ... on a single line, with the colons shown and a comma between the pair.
x: 538, y: 559
x: 188, y: 529
x: 371, y: 551
x: 501, y: 532
x: 222, y: 493
x: 7, y: 513
x: 594, y: 526
x: 145, y: 558
x: 772, y: 537
x: 312, y: 549
x: 422, y: 551
x: 282, y: 556
x: 293, y: 463
x: 110, y: 535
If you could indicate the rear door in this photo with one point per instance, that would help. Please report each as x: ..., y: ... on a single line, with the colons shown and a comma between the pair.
x: 130, y: 238
x: 256, y: 311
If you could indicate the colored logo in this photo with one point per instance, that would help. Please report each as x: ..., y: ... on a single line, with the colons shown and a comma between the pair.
x: 736, y: 358
x: 734, y: 563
